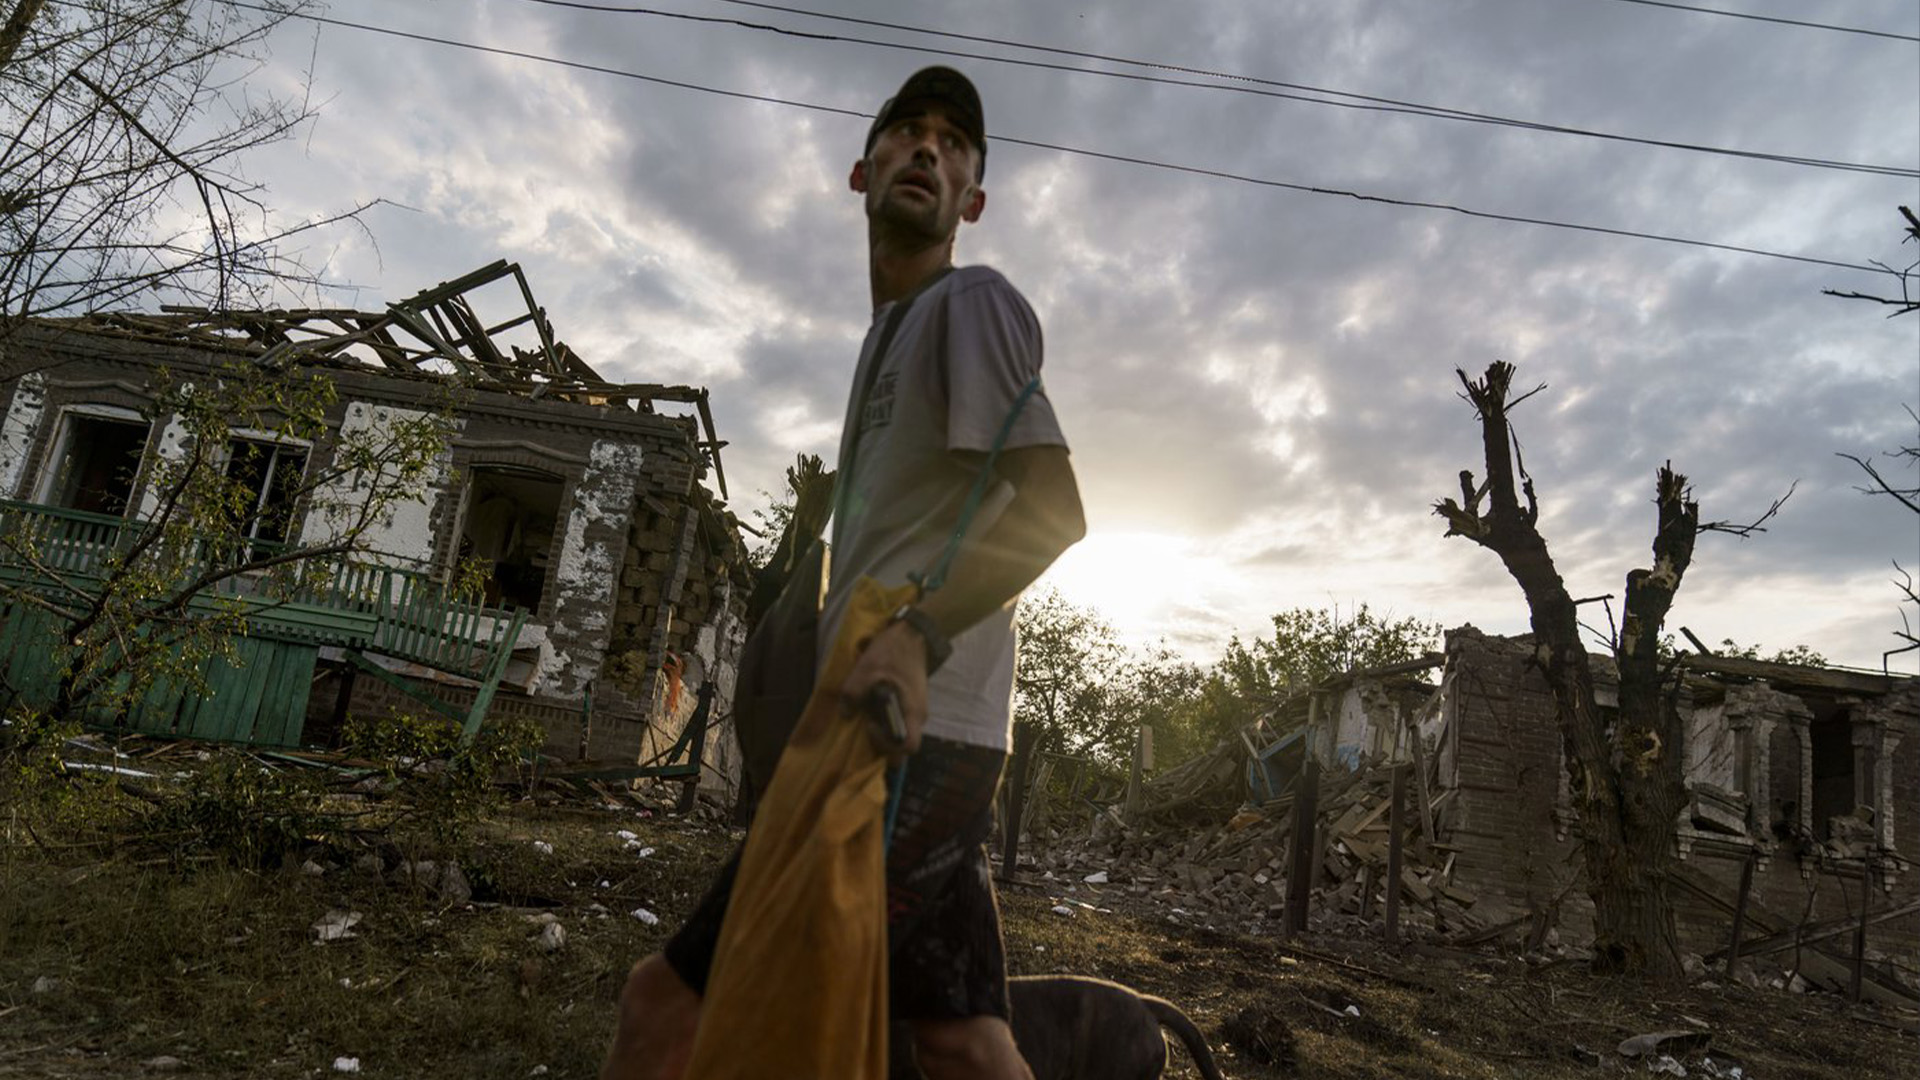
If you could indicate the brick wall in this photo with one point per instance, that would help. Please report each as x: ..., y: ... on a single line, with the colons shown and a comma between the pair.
x: 1515, y: 850
x: 1514, y: 854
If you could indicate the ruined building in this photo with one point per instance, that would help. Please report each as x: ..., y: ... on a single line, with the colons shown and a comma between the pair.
x: 619, y: 579
x: 1805, y: 780
x: 1803, y: 806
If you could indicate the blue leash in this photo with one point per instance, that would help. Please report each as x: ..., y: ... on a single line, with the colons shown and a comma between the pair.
x: 896, y: 780
x: 897, y: 777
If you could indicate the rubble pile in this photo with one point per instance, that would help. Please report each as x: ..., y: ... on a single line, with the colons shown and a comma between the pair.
x: 1234, y: 871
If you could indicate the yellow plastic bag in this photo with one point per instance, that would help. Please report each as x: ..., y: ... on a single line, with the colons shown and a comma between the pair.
x: 798, y: 989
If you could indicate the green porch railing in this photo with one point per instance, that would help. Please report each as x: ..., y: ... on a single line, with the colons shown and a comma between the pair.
x: 290, y: 610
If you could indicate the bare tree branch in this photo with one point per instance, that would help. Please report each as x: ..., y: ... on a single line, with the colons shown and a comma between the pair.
x: 1754, y: 526
x: 1907, y: 302
x: 113, y: 118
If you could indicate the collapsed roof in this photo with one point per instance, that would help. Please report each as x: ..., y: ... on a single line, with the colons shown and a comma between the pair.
x: 436, y: 334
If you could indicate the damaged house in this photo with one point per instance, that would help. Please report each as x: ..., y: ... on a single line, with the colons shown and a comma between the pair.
x: 1804, y: 788
x: 611, y: 587
x: 1802, y: 824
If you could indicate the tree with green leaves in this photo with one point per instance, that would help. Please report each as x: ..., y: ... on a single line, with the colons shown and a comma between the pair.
x: 1066, y: 665
x: 1189, y: 706
x: 1308, y: 646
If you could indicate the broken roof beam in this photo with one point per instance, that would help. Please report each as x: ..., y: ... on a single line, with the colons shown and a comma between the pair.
x: 473, y: 334
x: 412, y: 323
x: 713, y: 442
x: 572, y: 364
x: 540, y: 323
x: 446, y: 304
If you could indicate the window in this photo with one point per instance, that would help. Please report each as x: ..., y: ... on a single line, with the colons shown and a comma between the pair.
x: 511, y: 516
x: 1842, y: 781
x: 270, y: 473
x: 96, y: 461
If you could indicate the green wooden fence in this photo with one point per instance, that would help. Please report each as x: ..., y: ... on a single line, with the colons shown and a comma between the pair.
x: 258, y: 696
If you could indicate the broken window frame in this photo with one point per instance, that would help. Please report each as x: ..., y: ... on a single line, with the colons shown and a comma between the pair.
x: 562, y: 483
x: 280, y: 448
x: 55, y: 486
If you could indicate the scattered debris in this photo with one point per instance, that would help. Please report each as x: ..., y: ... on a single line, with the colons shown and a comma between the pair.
x: 1664, y: 1042
x: 336, y: 925
x: 346, y: 1064
x: 646, y: 916
x: 1234, y: 871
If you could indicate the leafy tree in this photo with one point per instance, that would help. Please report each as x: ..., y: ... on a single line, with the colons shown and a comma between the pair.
x: 1798, y: 654
x: 1068, y: 660
x: 1189, y: 706
x: 1311, y: 645
x: 1192, y: 707
x: 125, y: 124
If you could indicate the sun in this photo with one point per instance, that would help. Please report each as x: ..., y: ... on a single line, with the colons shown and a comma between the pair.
x: 1136, y: 580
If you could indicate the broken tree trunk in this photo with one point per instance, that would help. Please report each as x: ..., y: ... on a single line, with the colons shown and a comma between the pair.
x: 1624, y: 771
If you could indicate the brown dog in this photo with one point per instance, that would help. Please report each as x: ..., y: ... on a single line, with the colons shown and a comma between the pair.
x: 1069, y: 1027
x: 1074, y: 1028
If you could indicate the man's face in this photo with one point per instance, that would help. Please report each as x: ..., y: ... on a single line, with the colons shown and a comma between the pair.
x: 921, y: 176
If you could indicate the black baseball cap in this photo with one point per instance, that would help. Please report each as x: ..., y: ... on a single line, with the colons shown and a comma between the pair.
x: 941, y: 85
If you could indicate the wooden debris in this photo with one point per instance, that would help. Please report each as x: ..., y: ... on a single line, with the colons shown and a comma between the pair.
x: 1195, y: 847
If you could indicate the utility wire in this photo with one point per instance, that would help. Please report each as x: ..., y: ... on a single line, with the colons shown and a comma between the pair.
x: 1772, y: 19
x: 1122, y: 158
x: 1242, y: 84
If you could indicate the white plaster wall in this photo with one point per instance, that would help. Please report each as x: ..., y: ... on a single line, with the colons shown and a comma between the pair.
x: 22, y: 422
x: 588, y: 567
x: 173, y: 447
x: 403, y: 535
x: 716, y: 655
x: 1710, y: 748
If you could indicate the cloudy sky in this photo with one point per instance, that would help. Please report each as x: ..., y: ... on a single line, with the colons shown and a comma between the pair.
x: 1258, y: 380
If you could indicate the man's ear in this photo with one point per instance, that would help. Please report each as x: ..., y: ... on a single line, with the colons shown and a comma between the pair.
x: 975, y: 204
x: 857, y: 180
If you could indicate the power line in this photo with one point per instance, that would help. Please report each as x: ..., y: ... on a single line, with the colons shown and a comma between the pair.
x: 1059, y: 148
x: 1238, y: 83
x: 1773, y: 19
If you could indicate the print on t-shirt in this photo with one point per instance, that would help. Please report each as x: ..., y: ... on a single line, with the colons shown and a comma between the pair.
x: 879, y: 410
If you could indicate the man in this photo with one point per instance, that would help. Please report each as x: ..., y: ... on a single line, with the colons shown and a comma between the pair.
x: 923, y: 414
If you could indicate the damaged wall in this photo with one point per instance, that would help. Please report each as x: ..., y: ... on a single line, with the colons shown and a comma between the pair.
x: 1752, y: 760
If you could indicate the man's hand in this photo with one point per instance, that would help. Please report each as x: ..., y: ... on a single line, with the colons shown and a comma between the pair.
x: 894, y: 657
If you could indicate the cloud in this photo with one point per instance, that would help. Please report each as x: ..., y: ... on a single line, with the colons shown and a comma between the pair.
x: 1268, y: 374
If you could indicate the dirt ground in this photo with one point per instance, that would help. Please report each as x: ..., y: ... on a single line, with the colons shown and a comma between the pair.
x: 117, y: 966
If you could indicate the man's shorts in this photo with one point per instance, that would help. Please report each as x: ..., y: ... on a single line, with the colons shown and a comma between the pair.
x: 946, y: 957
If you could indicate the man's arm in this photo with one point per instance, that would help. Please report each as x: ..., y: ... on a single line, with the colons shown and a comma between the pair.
x: 1043, y: 520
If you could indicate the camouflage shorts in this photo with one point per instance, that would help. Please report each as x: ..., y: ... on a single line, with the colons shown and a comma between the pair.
x: 947, y: 960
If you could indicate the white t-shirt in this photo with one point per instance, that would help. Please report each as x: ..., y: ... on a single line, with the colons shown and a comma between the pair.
x: 963, y: 352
